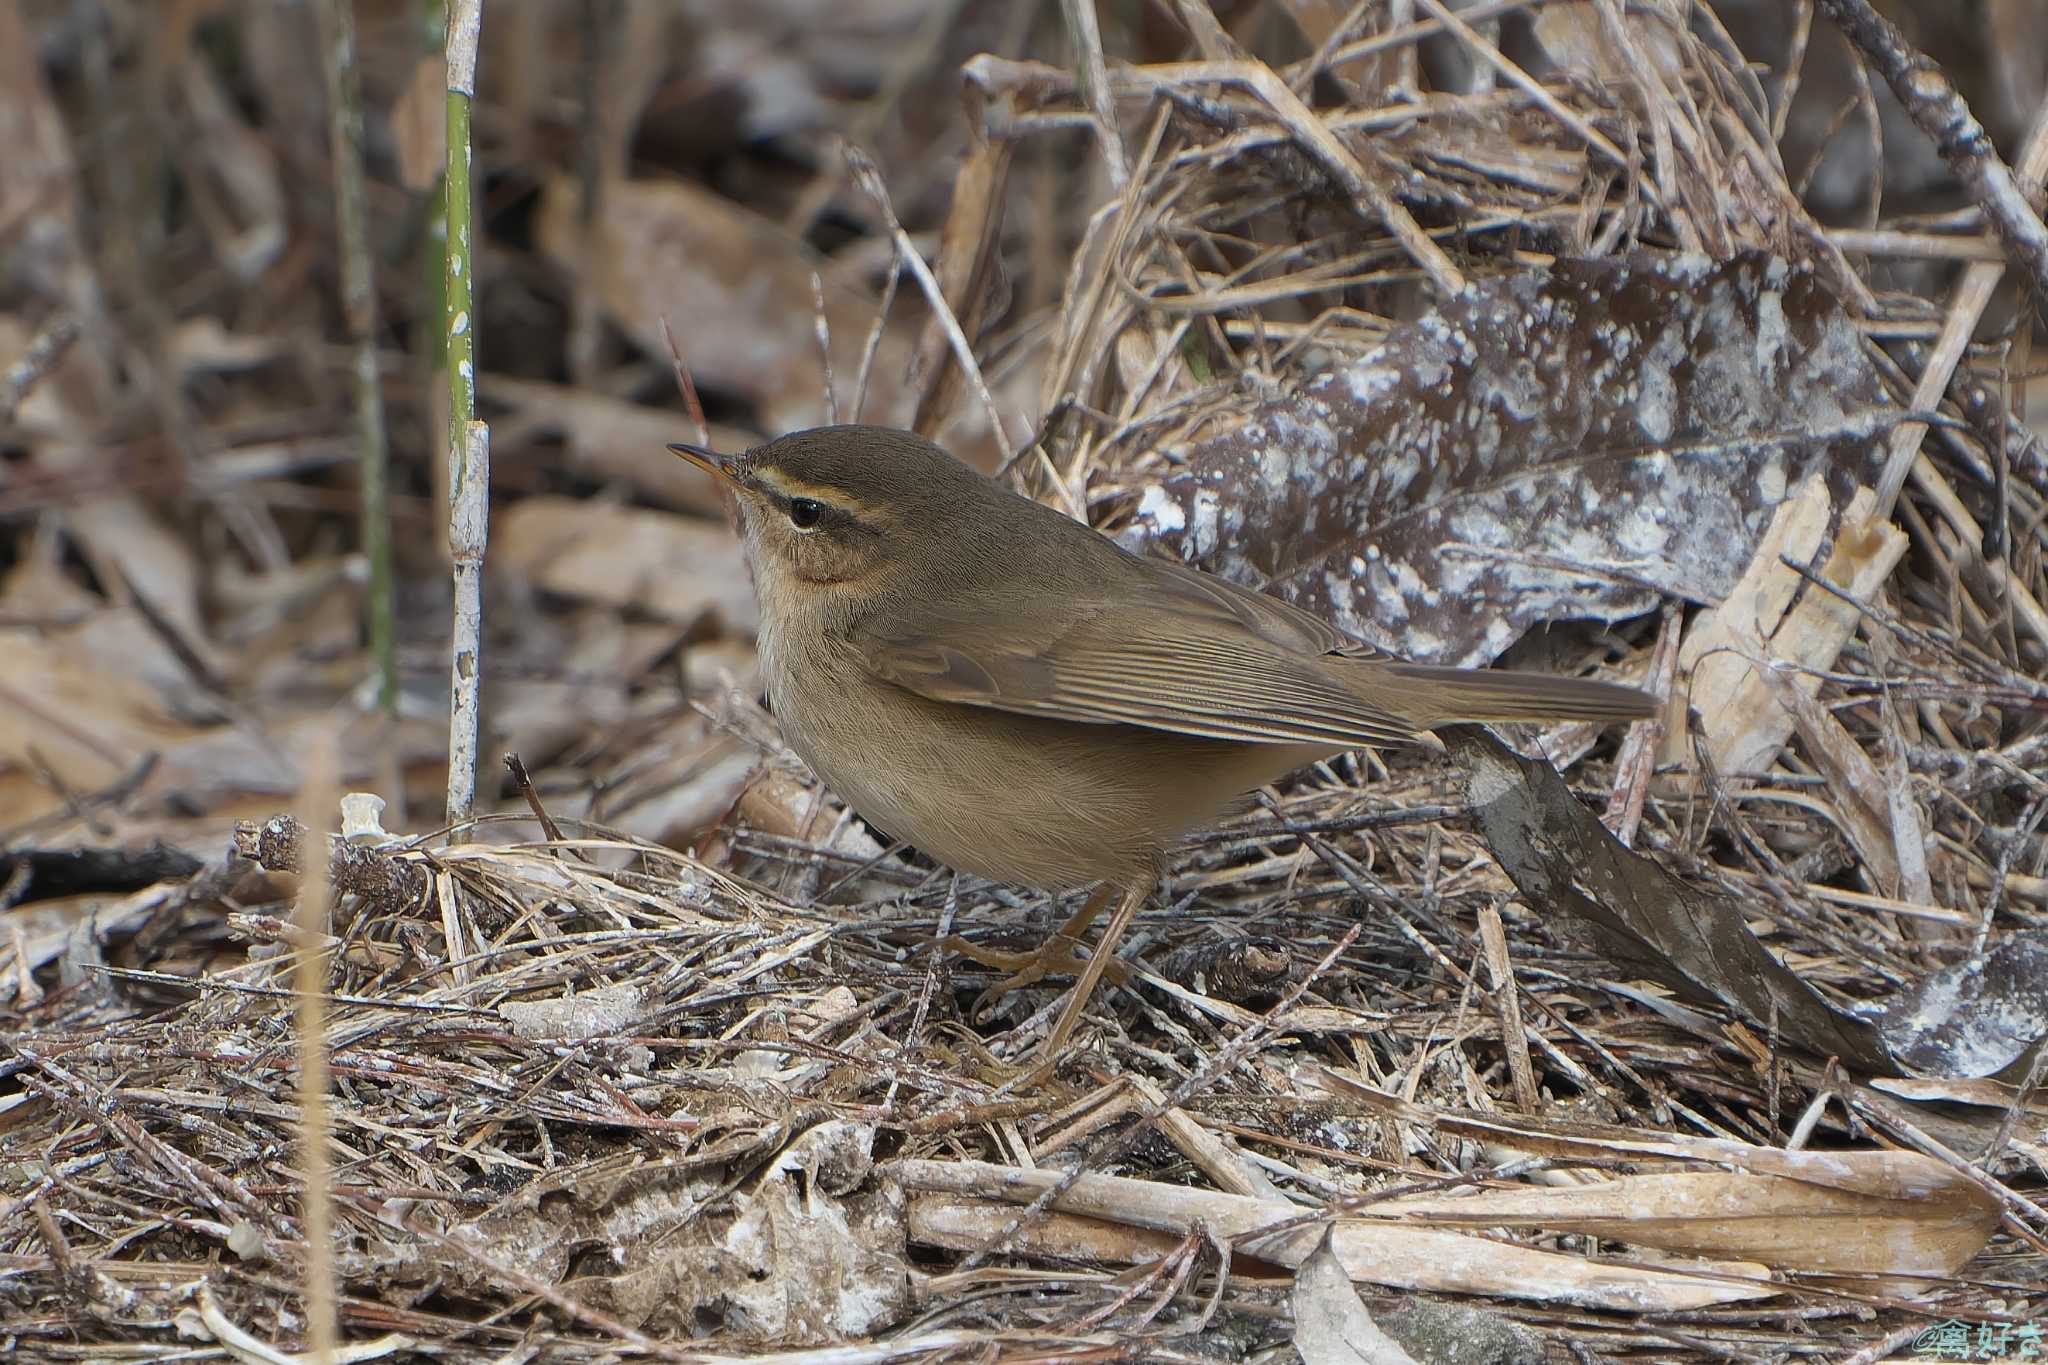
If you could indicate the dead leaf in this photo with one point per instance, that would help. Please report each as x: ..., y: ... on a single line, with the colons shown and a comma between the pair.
x: 686, y: 793
x: 1856, y: 792
x: 137, y: 555
x: 41, y: 934
x: 680, y: 569
x: 66, y: 712
x: 244, y: 769
x: 609, y: 438
x: 1976, y: 1019
x: 1331, y: 1326
x: 790, y: 59
x: 542, y: 714
x: 1985, y: 1016
x: 2018, y: 59
x: 1772, y: 616
x: 1566, y: 444
x: 781, y: 803
x: 736, y: 289
x: 969, y: 267
x: 419, y: 124
x: 232, y: 172
x: 1632, y: 911
x: 808, y: 1251
x: 1318, y: 21
x: 91, y: 688
x: 1571, y: 35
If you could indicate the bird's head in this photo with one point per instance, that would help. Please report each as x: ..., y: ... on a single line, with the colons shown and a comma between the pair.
x: 844, y: 504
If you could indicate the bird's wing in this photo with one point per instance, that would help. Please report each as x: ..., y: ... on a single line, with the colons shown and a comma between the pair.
x: 1196, y: 658
x: 1281, y: 623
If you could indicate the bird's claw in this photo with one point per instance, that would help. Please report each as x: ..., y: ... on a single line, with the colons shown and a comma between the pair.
x: 1057, y: 956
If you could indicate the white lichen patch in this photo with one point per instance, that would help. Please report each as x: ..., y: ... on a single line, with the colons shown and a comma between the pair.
x: 1369, y: 381
x: 1160, y: 510
x: 1202, y: 530
x: 1773, y: 333
x: 1656, y: 390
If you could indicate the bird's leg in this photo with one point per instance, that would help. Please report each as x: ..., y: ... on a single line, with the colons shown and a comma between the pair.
x: 1060, y: 955
x: 1132, y: 899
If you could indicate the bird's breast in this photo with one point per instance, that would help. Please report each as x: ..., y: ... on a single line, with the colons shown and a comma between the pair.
x: 1027, y: 800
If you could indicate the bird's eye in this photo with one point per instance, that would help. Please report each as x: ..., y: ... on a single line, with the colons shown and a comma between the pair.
x: 805, y: 513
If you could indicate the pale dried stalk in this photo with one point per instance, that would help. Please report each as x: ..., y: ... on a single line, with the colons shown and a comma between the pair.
x: 1937, y: 246
x: 874, y: 341
x: 1389, y: 1253
x: 1500, y: 969
x: 1325, y: 149
x: 823, y: 329
x: 1490, y: 57
x: 870, y: 181
x: 1087, y: 35
x: 1905, y: 459
x: 469, y: 441
x: 318, y: 801
x: 242, y: 1346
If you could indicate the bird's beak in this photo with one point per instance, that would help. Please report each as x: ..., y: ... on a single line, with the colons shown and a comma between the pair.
x: 718, y: 466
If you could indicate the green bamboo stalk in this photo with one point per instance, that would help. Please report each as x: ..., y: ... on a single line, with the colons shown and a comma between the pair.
x: 469, y: 441
x: 359, y: 311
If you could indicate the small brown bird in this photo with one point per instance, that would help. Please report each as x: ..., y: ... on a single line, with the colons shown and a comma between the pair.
x: 1023, y: 699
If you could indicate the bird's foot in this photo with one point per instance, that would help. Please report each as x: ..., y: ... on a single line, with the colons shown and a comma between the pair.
x: 1059, y: 955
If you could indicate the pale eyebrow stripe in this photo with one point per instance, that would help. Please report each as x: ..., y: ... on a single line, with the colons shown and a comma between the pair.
x: 783, y: 486
x: 776, y: 483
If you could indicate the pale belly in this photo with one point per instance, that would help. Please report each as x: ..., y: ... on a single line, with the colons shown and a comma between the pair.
x: 1020, y: 799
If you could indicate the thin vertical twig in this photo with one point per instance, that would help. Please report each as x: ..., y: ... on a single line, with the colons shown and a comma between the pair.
x: 1306, y: 72
x: 867, y: 354
x: 870, y: 180
x: 598, y: 23
x: 359, y: 313
x: 318, y: 801
x: 1793, y: 68
x: 1493, y: 942
x: 469, y: 441
x: 687, y: 384
x: 1906, y: 460
x: 824, y: 330
x: 1087, y: 36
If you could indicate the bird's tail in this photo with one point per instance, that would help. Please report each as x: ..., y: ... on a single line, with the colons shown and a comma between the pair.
x: 1445, y: 696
